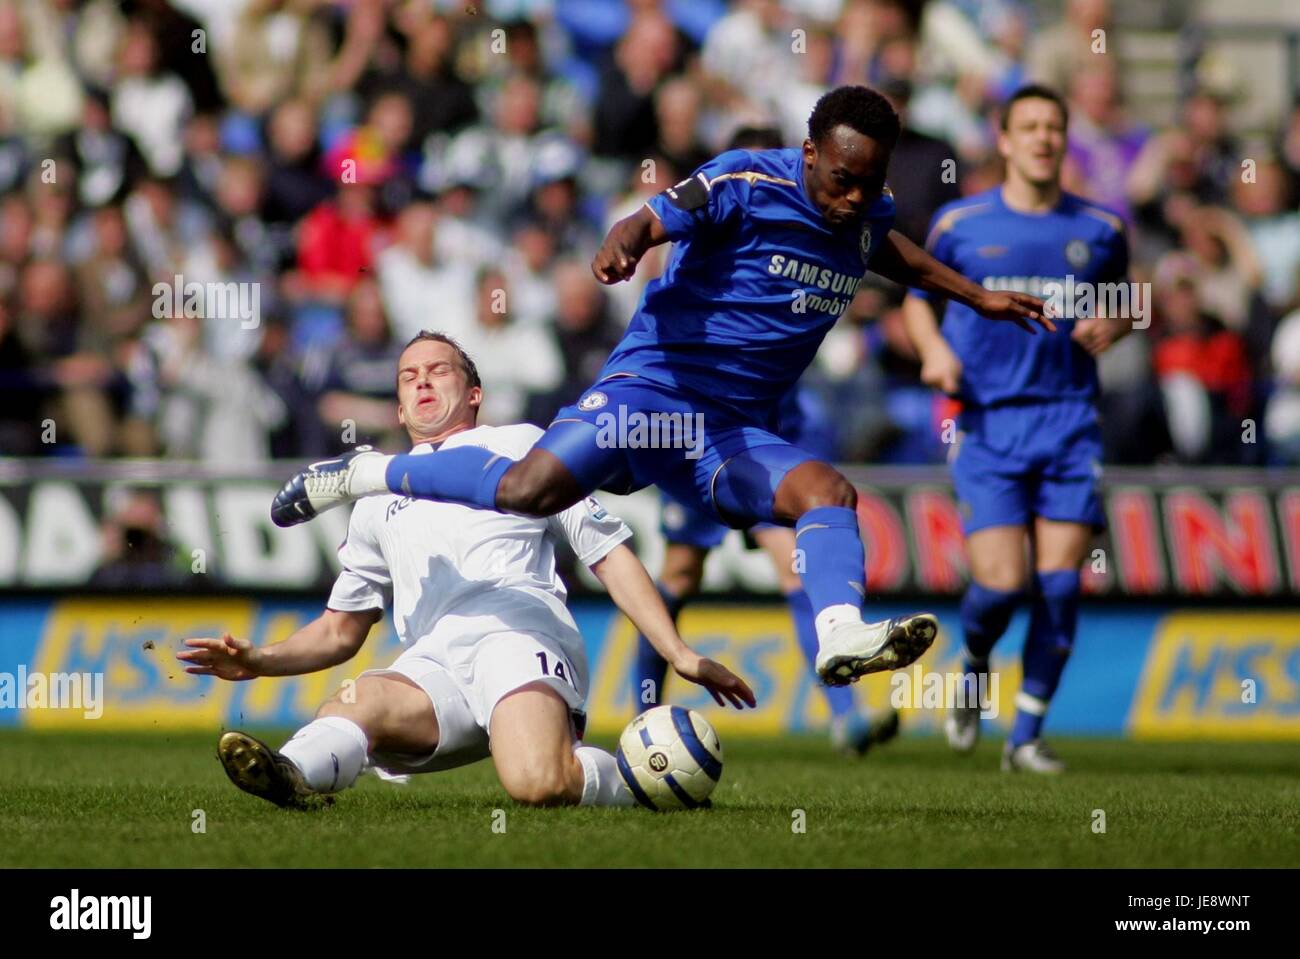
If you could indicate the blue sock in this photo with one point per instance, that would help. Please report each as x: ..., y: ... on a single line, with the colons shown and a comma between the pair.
x: 839, y: 698
x: 1047, y: 649
x: 833, y: 560
x: 985, y: 614
x: 649, y: 664
x: 462, y: 474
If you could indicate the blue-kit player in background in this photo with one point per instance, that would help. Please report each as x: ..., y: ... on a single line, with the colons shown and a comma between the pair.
x: 769, y: 248
x: 1027, y: 462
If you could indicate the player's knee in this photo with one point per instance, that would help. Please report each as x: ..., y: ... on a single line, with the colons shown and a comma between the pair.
x: 540, y: 785
x: 334, y: 706
x: 529, y: 491
x: 1007, y: 578
x: 519, y: 492
x: 351, y: 701
x: 787, y: 580
x: 683, y: 584
x: 830, y: 490
x: 683, y: 571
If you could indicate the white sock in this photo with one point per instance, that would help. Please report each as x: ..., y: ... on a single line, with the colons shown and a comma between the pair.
x: 330, y: 752
x: 832, y: 616
x: 368, y: 475
x: 602, y: 784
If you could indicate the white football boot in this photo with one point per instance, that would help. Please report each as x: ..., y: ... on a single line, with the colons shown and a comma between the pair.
x: 1034, y: 756
x: 853, y: 649
x: 962, y: 728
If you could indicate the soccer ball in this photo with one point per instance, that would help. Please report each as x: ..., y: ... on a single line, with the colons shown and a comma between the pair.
x: 670, y: 758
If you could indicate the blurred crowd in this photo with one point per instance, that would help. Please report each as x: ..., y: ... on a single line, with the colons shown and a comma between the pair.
x: 370, y: 168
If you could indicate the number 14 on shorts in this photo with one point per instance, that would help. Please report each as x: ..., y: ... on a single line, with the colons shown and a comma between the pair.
x: 560, y: 671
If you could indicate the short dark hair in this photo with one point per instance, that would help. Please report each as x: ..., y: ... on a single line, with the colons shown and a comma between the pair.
x: 756, y: 138
x: 859, y: 108
x: 466, y: 364
x: 1035, y: 91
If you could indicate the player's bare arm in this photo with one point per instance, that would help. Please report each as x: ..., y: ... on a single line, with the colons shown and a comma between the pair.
x: 333, y: 637
x: 904, y: 262
x: 1097, y: 334
x: 632, y: 590
x: 940, y: 366
x: 625, y: 243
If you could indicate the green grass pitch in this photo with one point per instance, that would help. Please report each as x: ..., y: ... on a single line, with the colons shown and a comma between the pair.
x: 118, y: 800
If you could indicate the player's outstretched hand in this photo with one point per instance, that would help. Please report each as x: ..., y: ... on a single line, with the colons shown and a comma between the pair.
x: 616, y: 259
x: 723, y: 685
x: 225, y: 658
x: 1019, y: 308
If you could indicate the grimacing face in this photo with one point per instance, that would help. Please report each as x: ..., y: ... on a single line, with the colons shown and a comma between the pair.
x: 433, y: 397
x: 1033, y: 143
x: 845, y: 173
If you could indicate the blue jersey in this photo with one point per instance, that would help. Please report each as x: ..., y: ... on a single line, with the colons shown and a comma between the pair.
x: 756, y: 278
x: 1004, y: 249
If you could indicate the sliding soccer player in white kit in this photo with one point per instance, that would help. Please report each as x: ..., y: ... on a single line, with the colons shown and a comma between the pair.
x: 494, y: 663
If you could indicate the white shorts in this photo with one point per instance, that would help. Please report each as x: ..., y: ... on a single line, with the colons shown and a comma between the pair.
x: 463, y: 699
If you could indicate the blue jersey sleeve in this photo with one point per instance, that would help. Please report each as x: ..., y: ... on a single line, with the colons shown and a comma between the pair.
x: 1115, y: 267
x: 712, y: 195
x: 938, y: 243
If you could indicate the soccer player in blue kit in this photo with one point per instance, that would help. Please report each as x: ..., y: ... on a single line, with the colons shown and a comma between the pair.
x: 690, y: 534
x: 1027, y: 463
x: 769, y: 248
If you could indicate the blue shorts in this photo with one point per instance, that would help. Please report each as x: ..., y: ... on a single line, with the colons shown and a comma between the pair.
x: 689, y: 526
x: 801, y: 420
x: 627, y: 432
x: 1015, y: 462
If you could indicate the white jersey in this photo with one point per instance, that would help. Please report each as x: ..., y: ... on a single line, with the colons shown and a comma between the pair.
x: 457, y: 573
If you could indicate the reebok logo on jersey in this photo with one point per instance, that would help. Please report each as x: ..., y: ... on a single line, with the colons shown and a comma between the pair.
x: 393, y: 509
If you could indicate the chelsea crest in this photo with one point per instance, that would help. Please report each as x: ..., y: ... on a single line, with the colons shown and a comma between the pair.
x: 864, y: 243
